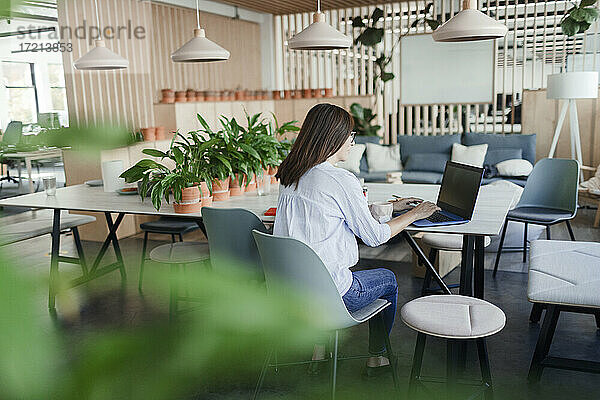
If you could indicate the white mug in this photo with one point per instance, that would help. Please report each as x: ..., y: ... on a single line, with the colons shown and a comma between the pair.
x: 382, y: 211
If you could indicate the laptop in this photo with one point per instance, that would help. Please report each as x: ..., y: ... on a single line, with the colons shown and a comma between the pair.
x: 458, y: 195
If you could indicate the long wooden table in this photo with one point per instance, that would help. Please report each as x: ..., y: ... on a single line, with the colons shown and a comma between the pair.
x: 28, y: 157
x: 490, y: 211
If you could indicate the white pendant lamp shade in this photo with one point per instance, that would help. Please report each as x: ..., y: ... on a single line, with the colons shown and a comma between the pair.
x: 469, y: 25
x: 200, y: 49
x: 319, y: 36
x: 573, y: 85
x: 101, y: 58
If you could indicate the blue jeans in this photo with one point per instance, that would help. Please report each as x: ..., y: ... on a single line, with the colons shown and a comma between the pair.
x: 368, y: 286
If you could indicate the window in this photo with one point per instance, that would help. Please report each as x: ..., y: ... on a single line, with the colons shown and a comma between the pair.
x: 22, y: 95
x: 58, y: 92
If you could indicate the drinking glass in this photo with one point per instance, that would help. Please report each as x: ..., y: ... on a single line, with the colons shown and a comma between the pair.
x: 263, y: 185
x: 50, y: 185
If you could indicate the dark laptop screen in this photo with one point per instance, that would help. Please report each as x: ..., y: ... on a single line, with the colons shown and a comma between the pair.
x: 460, y: 187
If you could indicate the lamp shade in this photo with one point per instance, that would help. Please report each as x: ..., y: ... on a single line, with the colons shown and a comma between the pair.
x: 200, y: 49
x: 573, y: 85
x: 319, y: 36
x: 101, y: 58
x: 469, y: 25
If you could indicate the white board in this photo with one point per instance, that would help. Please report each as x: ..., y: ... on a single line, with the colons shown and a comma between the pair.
x: 446, y: 73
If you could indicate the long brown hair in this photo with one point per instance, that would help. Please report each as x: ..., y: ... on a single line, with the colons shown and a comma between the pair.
x: 324, y: 131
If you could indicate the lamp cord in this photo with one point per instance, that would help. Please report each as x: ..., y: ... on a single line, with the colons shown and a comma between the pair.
x: 98, y: 19
x: 198, y: 13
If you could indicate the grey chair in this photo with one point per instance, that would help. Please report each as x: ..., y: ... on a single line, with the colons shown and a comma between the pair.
x: 12, y: 136
x: 230, y: 239
x: 289, y: 263
x: 173, y: 226
x: 549, y: 198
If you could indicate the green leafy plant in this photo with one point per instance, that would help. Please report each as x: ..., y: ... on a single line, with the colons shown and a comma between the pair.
x: 579, y: 18
x: 159, y: 181
x: 258, y: 138
x: 217, y: 155
x: 372, y: 34
x: 280, y: 132
x: 363, y: 120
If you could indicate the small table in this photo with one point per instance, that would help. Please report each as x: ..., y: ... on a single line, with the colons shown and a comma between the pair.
x: 28, y: 157
x: 490, y: 211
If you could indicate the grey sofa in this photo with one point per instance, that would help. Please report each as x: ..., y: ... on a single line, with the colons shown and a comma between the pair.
x: 424, y: 157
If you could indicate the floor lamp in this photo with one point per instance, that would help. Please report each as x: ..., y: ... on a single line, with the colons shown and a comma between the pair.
x: 571, y: 86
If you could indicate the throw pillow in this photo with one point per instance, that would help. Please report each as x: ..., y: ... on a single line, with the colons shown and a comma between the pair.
x: 514, y: 168
x: 383, y: 158
x: 432, y: 162
x: 352, y: 163
x: 471, y: 155
x: 495, y: 156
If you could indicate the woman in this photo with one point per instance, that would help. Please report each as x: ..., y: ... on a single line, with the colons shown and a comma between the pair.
x: 324, y: 207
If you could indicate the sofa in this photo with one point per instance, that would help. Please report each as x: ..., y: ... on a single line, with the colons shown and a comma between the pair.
x: 424, y: 157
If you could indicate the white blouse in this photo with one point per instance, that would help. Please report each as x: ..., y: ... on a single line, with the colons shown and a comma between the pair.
x: 327, y: 212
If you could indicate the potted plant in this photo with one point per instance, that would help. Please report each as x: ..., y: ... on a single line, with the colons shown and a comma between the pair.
x: 216, y: 160
x: 363, y: 120
x: 159, y: 181
x: 281, y: 133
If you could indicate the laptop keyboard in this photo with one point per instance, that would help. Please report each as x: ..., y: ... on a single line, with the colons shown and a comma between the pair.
x: 439, y: 217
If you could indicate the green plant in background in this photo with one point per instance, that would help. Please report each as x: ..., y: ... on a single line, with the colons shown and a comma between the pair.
x: 216, y: 161
x: 244, y: 160
x: 280, y: 132
x: 579, y: 18
x: 363, y: 120
x: 257, y: 136
x: 372, y: 34
x: 159, y: 181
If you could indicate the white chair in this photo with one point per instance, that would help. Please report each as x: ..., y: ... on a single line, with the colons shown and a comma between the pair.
x: 289, y: 263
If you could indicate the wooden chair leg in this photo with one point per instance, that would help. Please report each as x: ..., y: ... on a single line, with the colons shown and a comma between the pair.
x: 500, y: 248
x: 484, y: 365
x: 415, y: 372
x: 427, y: 280
x: 143, y: 261
x: 525, y: 242
x: 388, y: 348
x: 548, y: 232
x: 536, y: 312
x: 570, y: 230
x: 543, y: 344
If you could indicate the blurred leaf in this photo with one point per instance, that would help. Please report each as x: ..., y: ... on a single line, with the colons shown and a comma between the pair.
x: 586, y: 3
x: 357, y: 22
x: 569, y: 26
x: 377, y: 15
x: 154, y: 153
x: 433, y: 23
x: 415, y: 23
x: 428, y: 8
x: 387, y: 76
x: 370, y: 36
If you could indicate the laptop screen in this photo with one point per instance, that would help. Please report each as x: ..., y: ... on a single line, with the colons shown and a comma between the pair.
x: 460, y: 187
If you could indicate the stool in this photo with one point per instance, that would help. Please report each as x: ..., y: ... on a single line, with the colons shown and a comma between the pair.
x: 457, y: 319
x: 178, y: 254
x: 445, y: 242
x: 164, y: 226
x: 563, y: 277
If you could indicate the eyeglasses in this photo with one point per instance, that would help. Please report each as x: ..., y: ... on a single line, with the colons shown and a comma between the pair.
x: 353, y: 135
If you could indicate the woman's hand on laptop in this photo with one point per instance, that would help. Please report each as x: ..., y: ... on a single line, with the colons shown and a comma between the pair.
x: 401, y: 204
x: 423, y: 210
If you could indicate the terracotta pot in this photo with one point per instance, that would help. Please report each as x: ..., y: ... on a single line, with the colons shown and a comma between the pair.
x: 240, y: 95
x: 276, y: 95
x: 206, y: 201
x: 149, y: 134
x: 296, y: 94
x: 236, y: 188
x: 317, y: 93
x: 160, y: 133
x: 307, y: 93
x: 274, y: 180
x: 168, y: 93
x: 221, y: 189
x: 287, y: 94
x: 190, y: 201
x: 199, y: 96
x: 168, y: 100
x: 328, y: 92
x: 191, y: 95
x: 180, y: 97
x: 210, y: 95
x: 205, y: 190
x: 252, y: 185
x: 273, y: 171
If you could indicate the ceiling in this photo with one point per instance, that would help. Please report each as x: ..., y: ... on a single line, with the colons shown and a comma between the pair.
x: 297, y: 6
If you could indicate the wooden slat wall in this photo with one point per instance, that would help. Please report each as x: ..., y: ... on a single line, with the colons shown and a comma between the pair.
x: 127, y: 96
x: 533, y: 49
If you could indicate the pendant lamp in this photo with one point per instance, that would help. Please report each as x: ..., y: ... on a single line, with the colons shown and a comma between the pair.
x: 200, y: 48
x: 100, y: 58
x: 319, y: 35
x: 469, y: 25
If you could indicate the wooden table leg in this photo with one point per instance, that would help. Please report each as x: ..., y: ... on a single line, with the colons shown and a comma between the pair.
x: 28, y: 166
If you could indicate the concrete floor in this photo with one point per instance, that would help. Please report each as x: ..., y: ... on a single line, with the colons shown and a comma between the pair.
x: 510, y: 351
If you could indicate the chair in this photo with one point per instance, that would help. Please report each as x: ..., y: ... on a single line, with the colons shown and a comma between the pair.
x: 12, y: 136
x: 288, y: 262
x: 563, y: 277
x: 457, y: 319
x: 178, y: 255
x: 176, y: 227
x: 229, y: 232
x: 441, y: 242
x: 549, y: 197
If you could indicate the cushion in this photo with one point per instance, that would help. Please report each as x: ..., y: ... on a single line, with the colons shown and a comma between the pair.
x: 543, y: 215
x: 380, y: 176
x: 352, y: 164
x: 500, y: 141
x: 447, y: 241
x: 434, y: 162
x: 364, y: 167
x: 180, y: 253
x: 564, y: 273
x: 495, y: 156
x: 426, y: 144
x: 514, y: 168
x: 383, y: 158
x: 422, y: 177
x: 471, y: 155
x: 453, y: 316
